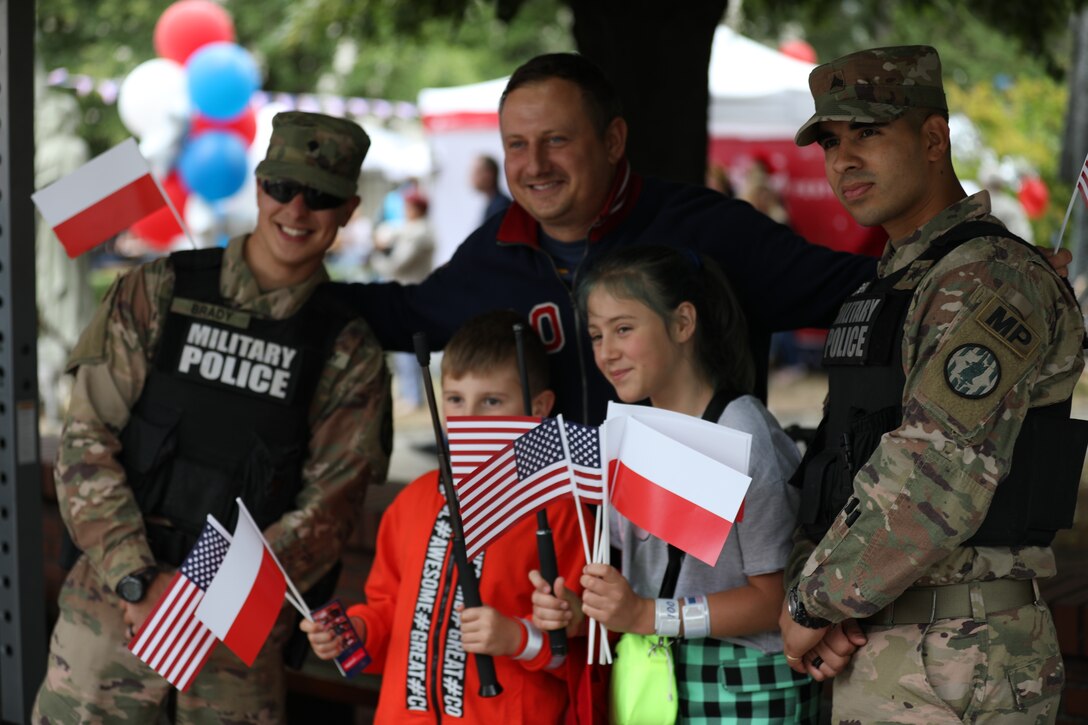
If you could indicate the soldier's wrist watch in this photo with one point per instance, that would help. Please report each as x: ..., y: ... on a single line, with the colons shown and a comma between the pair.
x: 798, y: 613
x: 133, y: 588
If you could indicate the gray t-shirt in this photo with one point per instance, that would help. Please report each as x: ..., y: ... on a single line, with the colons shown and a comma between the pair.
x: 760, y: 544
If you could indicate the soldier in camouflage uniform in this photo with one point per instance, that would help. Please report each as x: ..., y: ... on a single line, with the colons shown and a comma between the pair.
x: 920, y: 540
x: 334, y: 395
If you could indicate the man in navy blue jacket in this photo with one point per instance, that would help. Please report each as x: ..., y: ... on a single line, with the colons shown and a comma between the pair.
x: 575, y: 198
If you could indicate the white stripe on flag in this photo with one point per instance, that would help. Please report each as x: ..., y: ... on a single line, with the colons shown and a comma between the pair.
x: 683, y: 471
x: 232, y: 584
x: 95, y: 180
x: 475, y: 440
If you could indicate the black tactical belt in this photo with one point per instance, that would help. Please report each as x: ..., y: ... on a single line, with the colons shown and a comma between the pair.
x: 924, y: 605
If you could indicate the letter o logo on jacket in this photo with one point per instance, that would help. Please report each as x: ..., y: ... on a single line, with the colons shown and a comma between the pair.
x: 545, y: 320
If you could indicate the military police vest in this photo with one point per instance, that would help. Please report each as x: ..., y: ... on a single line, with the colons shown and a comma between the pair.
x: 863, y: 356
x: 224, y: 409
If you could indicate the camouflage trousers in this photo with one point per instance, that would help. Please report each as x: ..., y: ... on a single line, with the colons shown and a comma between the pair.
x: 93, y: 678
x: 1004, y: 668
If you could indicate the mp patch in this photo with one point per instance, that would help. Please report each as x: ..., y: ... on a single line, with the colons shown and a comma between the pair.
x: 1002, y: 321
x: 972, y: 371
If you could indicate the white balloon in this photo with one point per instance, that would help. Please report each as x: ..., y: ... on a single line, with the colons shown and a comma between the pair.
x: 155, y: 94
x: 162, y: 145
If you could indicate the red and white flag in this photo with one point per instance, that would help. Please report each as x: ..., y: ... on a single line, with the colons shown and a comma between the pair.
x: 524, y: 477
x: 100, y: 199
x: 172, y: 641
x: 243, y: 601
x: 674, y: 492
x: 476, y: 439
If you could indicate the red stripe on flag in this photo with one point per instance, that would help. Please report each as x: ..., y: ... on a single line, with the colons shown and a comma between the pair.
x: 465, y: 120
x: 510, y: 515
x: 109, y: 216
x: 173, y: 621
x: 1082, y: 185
x: 254, y: 620
x: 207, y: 644
x: 664, y: 514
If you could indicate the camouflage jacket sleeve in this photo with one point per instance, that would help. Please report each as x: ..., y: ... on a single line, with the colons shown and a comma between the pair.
x: 927, y: 487
x: 110, y: 364
x: 350, y: 442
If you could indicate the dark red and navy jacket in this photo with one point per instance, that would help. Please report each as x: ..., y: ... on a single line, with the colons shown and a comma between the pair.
x: 783, y: 281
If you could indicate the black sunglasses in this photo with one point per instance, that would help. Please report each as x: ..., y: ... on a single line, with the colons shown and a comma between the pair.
x: 285, y: 191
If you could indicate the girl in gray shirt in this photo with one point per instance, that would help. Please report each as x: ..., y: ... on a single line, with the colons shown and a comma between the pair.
x: 666, y: 327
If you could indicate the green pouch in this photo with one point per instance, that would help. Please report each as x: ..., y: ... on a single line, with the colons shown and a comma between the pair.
x: 643, y: 681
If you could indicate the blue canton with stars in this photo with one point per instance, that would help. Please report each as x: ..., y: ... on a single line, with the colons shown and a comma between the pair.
x: 585, y: 448
x: 206, y: 557
x: 538, y: 449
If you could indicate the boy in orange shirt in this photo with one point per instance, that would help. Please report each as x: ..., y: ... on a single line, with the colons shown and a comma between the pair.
x: 413, y: 624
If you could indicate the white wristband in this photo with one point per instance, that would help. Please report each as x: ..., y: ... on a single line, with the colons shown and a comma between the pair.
x: 533, y: 643
x: 696, y: 617
x: 666, y: 617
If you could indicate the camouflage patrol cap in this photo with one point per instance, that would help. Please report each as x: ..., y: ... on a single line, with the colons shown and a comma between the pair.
x: 874, y: 86
x: 316, y: 150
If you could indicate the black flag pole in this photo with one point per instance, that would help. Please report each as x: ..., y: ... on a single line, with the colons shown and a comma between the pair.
x: 545, y: 545
x: 466, y: 573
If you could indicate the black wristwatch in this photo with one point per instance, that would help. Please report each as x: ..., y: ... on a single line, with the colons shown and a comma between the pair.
x: 133, y: 588
x: 798, y: 613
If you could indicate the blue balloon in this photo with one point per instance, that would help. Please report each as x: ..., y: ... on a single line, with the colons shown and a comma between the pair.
x: 213, y: 164
x: 222, y: 77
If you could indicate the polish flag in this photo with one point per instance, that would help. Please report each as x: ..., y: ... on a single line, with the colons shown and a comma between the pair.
x: 674, y: 492
x: 243, y: 601
x: 100, y: 199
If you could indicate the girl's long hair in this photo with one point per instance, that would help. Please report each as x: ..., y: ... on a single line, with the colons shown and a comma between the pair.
x: 662, y: 278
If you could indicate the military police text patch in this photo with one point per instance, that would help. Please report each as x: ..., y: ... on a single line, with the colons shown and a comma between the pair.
x: 1004, y: 322
x: 972, y: 371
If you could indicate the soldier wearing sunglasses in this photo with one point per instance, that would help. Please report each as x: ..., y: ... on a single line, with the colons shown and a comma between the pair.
x: 207, y: 375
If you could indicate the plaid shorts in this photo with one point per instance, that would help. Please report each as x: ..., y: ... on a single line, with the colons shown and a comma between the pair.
x: 723, y: 682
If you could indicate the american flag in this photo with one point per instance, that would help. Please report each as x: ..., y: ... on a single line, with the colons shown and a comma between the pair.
x: 585, y: 456
x: 475, y: 439
x: 523, y: 478
x: 172, y: 641
x: 1082, y: 181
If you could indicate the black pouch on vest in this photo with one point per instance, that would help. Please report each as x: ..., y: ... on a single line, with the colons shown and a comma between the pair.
x: 1019, y: 514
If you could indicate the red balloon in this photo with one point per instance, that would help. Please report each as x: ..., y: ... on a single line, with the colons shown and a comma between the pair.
x: 188, y: 25
x: 798, y: 49
x: 1034, y: 196
x: 244, y: 125
x: 160, y: 229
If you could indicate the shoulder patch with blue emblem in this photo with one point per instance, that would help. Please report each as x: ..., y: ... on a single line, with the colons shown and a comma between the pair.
x: 972, y: 371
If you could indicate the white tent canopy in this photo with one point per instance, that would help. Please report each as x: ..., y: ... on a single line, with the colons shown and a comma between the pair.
x: 756, y: 92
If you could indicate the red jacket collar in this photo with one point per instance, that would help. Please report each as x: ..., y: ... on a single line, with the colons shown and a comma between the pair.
x: 519, y: 227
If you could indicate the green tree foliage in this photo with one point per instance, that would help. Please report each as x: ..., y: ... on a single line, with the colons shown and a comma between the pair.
x: 977, y: 35
x: 1003, y: 65
x: 1024, y: 121
x: 369, y: 48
